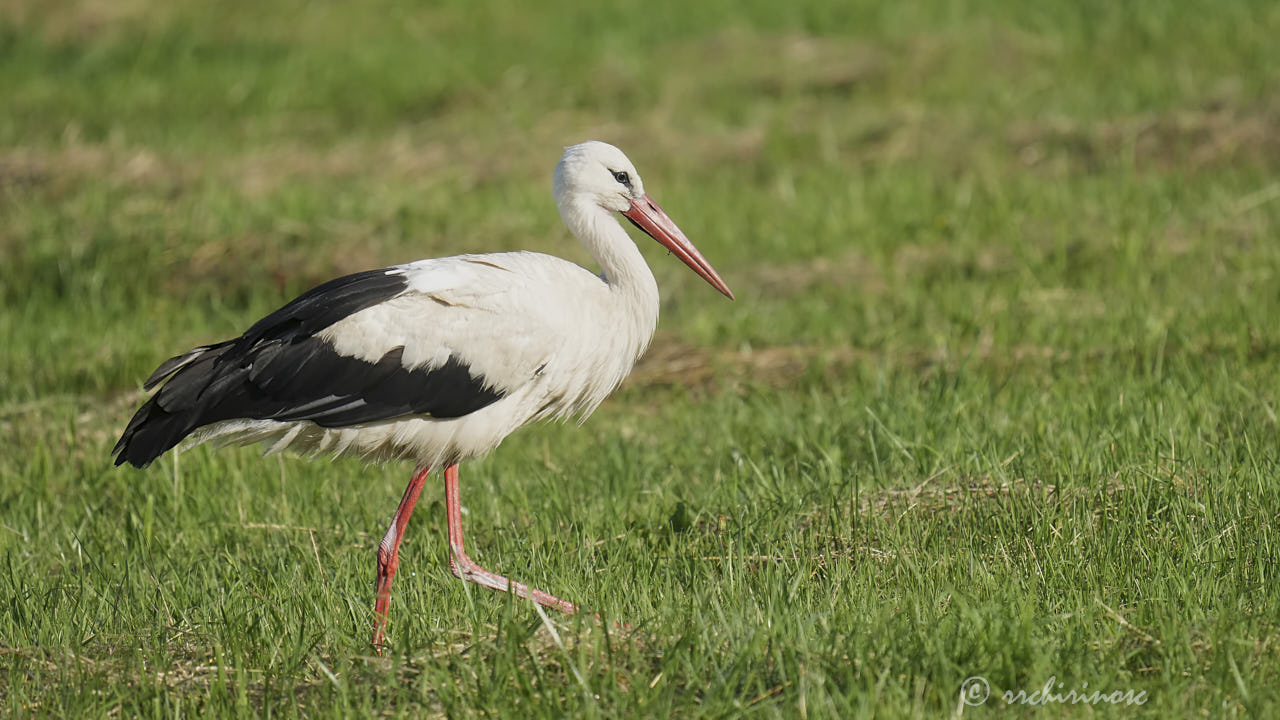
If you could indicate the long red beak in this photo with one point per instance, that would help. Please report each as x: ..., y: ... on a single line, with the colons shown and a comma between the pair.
x: 646, y: 215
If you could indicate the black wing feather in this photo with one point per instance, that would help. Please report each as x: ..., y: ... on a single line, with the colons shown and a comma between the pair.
x: 279, y: 370
x: 324, y: 305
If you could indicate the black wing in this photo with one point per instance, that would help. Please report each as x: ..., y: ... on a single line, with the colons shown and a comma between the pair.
x: 280, y: 370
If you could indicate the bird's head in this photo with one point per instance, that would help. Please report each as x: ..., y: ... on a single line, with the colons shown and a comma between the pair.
x: 600, y: 174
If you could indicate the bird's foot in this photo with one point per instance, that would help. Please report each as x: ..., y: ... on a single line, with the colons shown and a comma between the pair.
x: 470, y: 571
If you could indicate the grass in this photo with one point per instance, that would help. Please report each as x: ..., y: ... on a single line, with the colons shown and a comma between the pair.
x: 998, y: 396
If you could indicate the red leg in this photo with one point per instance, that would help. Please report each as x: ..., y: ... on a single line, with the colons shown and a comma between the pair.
x: 467, y: 569
x: 389, y: 552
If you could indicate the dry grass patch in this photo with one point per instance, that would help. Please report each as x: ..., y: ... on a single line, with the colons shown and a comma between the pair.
x: 934, y: 497
x: 74, y: 163
x: 671, y: 362
x: 68, y: 21
x: 914, y: 260
x: 1182, y: 140
x: 450, y: 153
x: 853, y: 269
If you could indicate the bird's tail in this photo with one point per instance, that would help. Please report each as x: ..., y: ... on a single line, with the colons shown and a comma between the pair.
x: 171, y: 413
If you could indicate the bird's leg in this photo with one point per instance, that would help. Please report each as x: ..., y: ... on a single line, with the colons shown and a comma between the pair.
x: 467, y: 569
x: 389, y: 552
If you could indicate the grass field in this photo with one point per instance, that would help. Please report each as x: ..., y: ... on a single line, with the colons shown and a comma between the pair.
x: 998, y: 396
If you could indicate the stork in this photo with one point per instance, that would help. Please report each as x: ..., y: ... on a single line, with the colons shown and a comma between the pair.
x: 434, y: 361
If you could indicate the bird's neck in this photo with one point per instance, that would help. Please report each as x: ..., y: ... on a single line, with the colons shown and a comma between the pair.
x: 622, y: 267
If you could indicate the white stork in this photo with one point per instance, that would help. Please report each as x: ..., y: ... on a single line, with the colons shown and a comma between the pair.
x: 435, y: 361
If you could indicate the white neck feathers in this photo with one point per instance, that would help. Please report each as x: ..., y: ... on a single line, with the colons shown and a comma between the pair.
x: 633, y: 290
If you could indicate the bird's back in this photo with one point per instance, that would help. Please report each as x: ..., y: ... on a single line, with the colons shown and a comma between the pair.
x: 436, y: 360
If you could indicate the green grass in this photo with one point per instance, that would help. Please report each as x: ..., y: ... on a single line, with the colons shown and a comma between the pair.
x: 998, y: 396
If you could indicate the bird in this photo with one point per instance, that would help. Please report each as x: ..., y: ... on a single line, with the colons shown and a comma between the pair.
x: 434, y: 361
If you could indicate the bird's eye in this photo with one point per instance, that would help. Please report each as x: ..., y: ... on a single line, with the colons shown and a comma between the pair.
x: 622, y: 177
